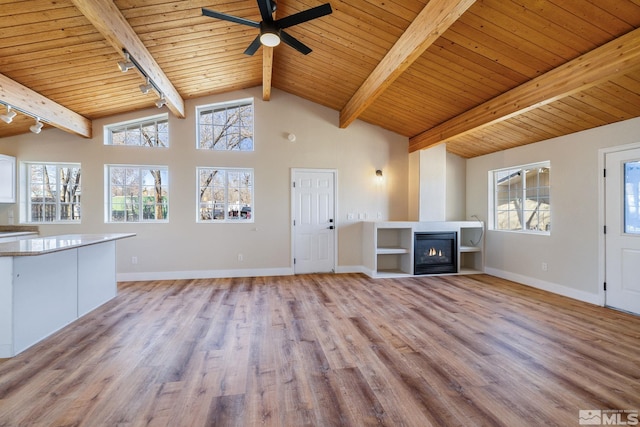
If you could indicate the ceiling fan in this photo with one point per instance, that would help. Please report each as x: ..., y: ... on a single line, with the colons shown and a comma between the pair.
x: 272, y: 31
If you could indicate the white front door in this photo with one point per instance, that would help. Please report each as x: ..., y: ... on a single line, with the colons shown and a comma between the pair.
x: 313, y: 221
x: 622, y: 239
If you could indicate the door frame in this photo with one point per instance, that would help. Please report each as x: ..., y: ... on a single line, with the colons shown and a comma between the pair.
x: 292, y: 214
x: 602, y: 198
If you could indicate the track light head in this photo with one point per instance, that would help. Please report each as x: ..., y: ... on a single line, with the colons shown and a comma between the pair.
x: 146, y: 88
x: 37, y: 127
x: 8, y: 118
x: 127, y: 64
x: 161, y: 102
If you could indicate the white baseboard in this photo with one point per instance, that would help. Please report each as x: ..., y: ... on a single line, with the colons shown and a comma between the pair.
x: 6, y: 351
x: 350, y: 269
x: 547, y: 286
x: 202, y: 274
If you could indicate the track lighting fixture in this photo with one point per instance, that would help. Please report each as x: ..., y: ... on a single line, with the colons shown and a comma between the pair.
x: 126, y: 65
x: 8, y: 118
x: 161, y: 102
x: 149, y: 84
x: 12, y: 112
x: 37, y: 127
x: 146, y: 88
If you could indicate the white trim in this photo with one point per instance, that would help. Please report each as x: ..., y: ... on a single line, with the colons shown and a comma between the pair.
x: 547, y: 286
x: 293, y: 213
x: 345, y: 269
x: 226, y: 105
x: 602, y: 270
x: 203, y: 274
x: 110, y: 128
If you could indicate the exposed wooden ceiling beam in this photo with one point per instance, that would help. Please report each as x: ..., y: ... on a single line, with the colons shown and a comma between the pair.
x: 25, y: 99
x: 435, y: 18
x: 615, y: 58
x: 109, y: 21
x: 267, y: 71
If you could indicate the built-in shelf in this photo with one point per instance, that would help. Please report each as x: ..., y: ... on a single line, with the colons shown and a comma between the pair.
x: 387, y: 247
x: 391, y: 251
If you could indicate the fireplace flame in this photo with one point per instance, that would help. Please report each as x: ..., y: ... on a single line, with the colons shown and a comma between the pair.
x: 435, y: 252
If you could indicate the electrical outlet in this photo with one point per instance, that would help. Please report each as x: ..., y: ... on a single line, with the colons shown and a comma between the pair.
x: 240, y: 257
x: 545, y: 267
x: 134, y: 260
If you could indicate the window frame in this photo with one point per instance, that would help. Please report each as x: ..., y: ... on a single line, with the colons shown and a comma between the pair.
x: 521, y: 170
x: 108, y: 202
x: 200, y: 109
x: 27, y: 211
x: 227, y: 220
x: 139, y: 123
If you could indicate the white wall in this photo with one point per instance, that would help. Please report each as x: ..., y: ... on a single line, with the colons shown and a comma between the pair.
x: 572, y: 250
x: 184, y: 248
x: 436, y: 185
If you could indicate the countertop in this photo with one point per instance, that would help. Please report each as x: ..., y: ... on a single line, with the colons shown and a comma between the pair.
x: 16, y: 233
x: 48, y: 244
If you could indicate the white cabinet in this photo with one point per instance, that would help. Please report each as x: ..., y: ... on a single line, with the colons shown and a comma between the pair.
x: 7, y: 179
x: 388, y: 247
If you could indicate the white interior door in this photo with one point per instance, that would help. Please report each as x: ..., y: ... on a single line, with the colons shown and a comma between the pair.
x: 622, y: 240
x: 314, y: 221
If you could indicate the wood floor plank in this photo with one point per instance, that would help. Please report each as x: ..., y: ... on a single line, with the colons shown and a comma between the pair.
x: 325, y: 350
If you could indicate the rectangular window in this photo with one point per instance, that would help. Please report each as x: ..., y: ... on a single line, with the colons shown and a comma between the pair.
x: 227, y: 126
x: 137, y: 193
x: 147, y: 132
x: 521, y: 198
x: 632, y: 197
x: 54, y: 192
x: 225, y: 195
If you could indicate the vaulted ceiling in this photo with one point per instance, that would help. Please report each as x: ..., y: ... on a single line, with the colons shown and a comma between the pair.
x: 480, y: 76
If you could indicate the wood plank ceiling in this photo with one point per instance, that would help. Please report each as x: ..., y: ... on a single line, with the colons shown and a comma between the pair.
x: 482, y: 76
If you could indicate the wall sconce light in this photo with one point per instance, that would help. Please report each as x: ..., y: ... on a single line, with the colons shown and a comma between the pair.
x: 291, y: 137
x: 8, y: 118
x: 37, y: 127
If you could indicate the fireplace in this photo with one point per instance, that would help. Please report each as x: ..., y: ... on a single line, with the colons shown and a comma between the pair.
x: 435, y: 253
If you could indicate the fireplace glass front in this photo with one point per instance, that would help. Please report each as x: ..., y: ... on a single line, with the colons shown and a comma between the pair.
x: 435, y: 253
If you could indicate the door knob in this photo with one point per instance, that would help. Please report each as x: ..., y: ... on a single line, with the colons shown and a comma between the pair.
x: 330, y: 227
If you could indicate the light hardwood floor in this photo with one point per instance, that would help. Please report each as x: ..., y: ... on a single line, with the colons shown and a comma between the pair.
x: 326, y: 350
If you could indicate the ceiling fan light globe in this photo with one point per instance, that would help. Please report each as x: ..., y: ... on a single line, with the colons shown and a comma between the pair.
x: 269, y: 39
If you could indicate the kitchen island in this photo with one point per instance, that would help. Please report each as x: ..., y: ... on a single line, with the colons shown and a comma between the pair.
x: 48, y: 282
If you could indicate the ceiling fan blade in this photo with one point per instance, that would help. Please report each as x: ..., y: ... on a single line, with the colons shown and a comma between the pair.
x: 304, y: 16
x: 225, y: 17
x: 295, y: 43
x: 266, y: 10
x: 253, y: 47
